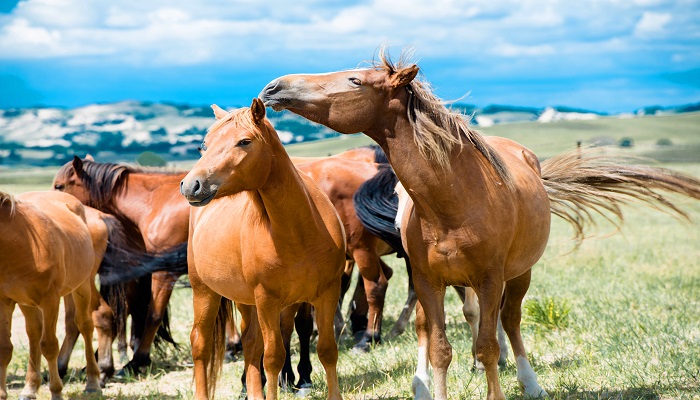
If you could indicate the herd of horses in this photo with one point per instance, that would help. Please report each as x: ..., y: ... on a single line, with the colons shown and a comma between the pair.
x: 278, y: 236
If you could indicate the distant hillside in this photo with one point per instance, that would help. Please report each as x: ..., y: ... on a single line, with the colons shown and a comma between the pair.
x: 120, y: 131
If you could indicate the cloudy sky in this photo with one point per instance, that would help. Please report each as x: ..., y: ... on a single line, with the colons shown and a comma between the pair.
x: 606, y: 55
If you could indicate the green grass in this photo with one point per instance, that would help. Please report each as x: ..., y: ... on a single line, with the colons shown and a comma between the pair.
x: 632, y: 332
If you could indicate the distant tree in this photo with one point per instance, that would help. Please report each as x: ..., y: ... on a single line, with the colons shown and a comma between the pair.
x: 664, y: 142
x: 626, y: 142
x: 151, y: 159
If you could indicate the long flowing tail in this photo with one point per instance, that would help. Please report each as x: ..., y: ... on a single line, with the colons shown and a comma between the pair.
x: 376, y: 205
x: 127, y: 265
x: 581, y: 184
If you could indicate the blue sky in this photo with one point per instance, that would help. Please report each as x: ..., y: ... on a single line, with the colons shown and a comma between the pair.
x: 605, y: 55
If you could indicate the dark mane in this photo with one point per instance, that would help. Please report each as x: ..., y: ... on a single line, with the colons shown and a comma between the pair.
x: 437, y: 130
x: 104, y: 181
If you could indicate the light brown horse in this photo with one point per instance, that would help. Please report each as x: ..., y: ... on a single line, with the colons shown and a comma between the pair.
x: 481, y: 209
x: 269, y: 237
x: 47, y: 253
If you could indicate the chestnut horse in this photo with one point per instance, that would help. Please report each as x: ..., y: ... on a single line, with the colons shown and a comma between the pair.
x: 268, y: 238
x: 481, y: 208
x: 148, y: 205
x: 47, y: 253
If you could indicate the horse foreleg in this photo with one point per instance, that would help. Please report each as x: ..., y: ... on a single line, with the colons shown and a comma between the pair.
x: 510, y: 315
x: 49, y: 343
x: 487, y: 348
x: 206, y: 307
x: 326, y: 347
x: 411, y: 299
x: 6, y: 348
x: 71, y: 337
x: 269, y: 310
x: 161, y: 290
x: 252, y: 341
x: 421, y: 379
x: 376, y: 284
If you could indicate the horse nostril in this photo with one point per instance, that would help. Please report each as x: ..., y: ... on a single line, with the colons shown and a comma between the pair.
x: 197, y: 187
x: 272, y: 88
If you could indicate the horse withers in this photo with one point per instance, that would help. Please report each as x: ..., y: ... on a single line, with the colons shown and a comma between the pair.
x: 263, y: 235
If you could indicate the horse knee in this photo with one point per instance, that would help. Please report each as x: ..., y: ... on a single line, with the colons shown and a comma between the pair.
x: 487, y: 349
x: 49, y: 347
x: 6, y: 349
x: 327, y: 353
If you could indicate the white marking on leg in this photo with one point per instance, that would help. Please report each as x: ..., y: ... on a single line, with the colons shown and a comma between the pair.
x: 528, y: 379
x: 421, y: 380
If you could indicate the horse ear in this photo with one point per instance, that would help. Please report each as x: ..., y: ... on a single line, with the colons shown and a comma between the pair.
x: 404, y: 76
x: 218, y: 112
x: 257, y: 109
x: 89, y: 158
x: 77, y: 164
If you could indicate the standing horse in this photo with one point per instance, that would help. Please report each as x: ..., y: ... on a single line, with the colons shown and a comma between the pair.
x: 481, y: 209
x: 47, y: 253
x: 148, y: 205
x: 269, y: 237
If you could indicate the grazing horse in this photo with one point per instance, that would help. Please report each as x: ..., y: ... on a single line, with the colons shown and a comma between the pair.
x: 153, y: 213
x: 481, y: 208
x: 268, y: 237
x: 47, y: 253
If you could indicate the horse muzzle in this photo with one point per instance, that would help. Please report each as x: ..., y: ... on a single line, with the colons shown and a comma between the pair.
x: 195, y: 193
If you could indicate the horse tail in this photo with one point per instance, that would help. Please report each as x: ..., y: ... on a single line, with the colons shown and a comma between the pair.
x: 580, y: 185
x: 376, y: 206
x: 118, y: 254
x: 216, y: 361
x: 173, y: 260
x: 379, y: 155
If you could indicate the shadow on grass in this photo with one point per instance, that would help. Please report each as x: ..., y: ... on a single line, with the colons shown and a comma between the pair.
x: 639, y: 393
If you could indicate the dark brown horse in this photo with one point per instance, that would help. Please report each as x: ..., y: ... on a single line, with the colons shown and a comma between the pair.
x: 47, y: 253
x: 480, y: 212
x: 265, y: 236
x: 148, y: 205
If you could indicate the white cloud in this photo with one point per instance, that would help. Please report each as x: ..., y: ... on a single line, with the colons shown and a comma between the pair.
x: 652, y: 23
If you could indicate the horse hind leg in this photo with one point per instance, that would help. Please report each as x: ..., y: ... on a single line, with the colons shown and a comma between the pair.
x: 82, y: 298
x: 6, y: 348
x: 72, y: 333
x: 233, y: 340
x: 376, y: 284
x: 510, y: 315
x: 411, y: 300
x: 34, y: 326
x: 287, y: 377
x: 420, y: 386
x: 49, y: 344
x: 487, y: 349
x: 470, y: 309
x: 103, y: 320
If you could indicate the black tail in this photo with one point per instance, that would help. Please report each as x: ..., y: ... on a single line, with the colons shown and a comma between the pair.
x: 128, y: 266
x: 376, y: 206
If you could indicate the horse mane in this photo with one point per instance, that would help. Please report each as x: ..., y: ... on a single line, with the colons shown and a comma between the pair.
x: 10, y: 200
x: 437, y: 129
x: 104, y: 181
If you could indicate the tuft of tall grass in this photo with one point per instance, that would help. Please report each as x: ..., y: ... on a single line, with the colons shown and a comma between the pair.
x: 547, y: 313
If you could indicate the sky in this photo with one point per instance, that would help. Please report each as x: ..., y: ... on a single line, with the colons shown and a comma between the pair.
x: 602, y: 55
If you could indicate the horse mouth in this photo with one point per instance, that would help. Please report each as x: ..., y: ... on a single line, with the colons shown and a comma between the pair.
x: 204, y: 201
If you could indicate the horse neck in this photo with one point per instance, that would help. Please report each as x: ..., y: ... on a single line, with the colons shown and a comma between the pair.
x: 442, y: 195
x: 284, y: 196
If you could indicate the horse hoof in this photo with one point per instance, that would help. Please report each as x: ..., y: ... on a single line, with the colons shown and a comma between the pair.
x: 303, y: 390
x: 27, y: 398
x: 93, y: 390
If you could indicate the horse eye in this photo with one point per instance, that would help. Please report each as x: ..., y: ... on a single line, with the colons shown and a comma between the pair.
x: 356, y: 81
x: 202, y: 148
x: 244, y: 142
x: 59, y: 186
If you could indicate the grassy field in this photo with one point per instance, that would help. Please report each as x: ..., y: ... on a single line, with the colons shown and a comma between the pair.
x: 633, y: 330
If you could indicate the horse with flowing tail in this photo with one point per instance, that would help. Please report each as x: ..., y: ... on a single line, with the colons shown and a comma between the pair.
x: 154, y: 215
x: 480, y: 212
x: 47, y: 253
x: 264, y: 235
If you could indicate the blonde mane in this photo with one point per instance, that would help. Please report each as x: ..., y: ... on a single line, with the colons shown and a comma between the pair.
x: 437, y: 129
x: 6, y: 198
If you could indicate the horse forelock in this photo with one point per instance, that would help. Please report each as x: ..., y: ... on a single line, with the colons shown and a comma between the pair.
x: 103, y: 181
x: 437, y: 129
x: 242, y: 118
